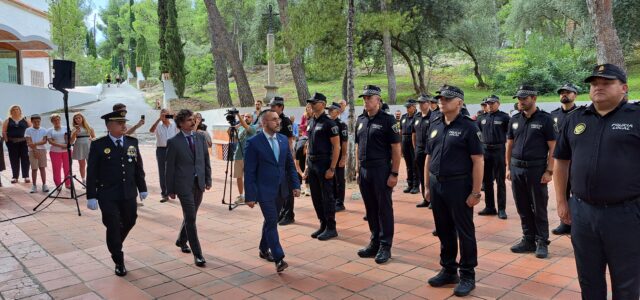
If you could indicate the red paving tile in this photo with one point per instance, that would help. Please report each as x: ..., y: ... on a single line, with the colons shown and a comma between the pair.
x: 65, y: 256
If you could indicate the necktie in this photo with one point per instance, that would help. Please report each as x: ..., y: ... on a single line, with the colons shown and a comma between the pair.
x: 274, y: 147
x: 191, y: 144
x: 119, y: 144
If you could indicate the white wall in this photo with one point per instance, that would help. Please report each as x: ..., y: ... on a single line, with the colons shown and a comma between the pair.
x: 35, y: 100
x: 40, y: 64
x: 23, y: 21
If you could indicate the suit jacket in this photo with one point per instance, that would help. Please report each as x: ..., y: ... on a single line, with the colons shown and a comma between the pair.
x: 265, y: 178
x: 181, y: 165
x: 110, y: 172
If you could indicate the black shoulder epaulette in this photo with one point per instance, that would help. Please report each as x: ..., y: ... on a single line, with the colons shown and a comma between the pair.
x: 581, y: 108
x: 557, y: 109
x: 133, y: 138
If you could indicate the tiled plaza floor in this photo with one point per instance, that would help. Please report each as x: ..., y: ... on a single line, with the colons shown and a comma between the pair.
x: 57, y: 254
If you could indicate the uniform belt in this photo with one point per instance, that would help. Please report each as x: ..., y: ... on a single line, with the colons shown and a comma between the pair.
x: 605, y: 204
x: 528, y: 164
x: 493, y: 146
x: 162, y: 147
x: 319, y: 157
x: 406, y: 134
x: 374, y: 163
x: 82, y: 136
x: 450, y: 178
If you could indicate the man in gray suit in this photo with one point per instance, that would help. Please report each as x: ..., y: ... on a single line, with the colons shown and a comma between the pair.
x: 188, y: 174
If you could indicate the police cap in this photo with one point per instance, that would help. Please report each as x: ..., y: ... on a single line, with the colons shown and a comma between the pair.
x: 118, y: 116
x: 525, y: 91
x: 370, y: 90
x: 277, y: 100
x: 608, y: 71
x: 567, y: 87
x: 333, y: 106
x: 449, y: 91
x: 317, y: 97
x: 410, y: 102
x: 492, y: 99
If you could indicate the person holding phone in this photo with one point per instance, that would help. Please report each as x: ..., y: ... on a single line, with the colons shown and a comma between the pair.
x: 130, y: 129
x: 83, y: 134
x: 164, y: 129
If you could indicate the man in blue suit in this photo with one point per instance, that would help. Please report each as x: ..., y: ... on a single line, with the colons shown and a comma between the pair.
x: 268, y: 162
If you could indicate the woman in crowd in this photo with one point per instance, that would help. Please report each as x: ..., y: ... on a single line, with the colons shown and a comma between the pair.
x: 306, y: 116
x: 13, y: 131
x: 57, y: 137
x: 2, y: 166
x: 82, y: 134
x: 202, y: 128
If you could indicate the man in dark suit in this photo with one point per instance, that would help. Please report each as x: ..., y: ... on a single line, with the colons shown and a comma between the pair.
x: 188, y: 174
x: 110, y: 156
x: 268, y: 163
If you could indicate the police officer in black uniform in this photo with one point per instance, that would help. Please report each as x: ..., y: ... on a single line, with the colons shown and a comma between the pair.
x: 530, y: 141
x: 322, y: 159
x: 408, y: 151
x: 378, y: 140
x: 454, y: 166
x: 419, y: 137
x: 568, y: 94
x: 494, y: 126
x: 110, y: 156
x: 286, y: 128
x: 339, y: 182
x: 598, y: 145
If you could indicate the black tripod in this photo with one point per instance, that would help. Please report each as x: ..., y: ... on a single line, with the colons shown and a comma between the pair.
x: 233, y: 140
x: 69, y: 176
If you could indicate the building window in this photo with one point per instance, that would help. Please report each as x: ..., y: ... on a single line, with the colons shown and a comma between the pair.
x: 37, y: 78
x: 9, y: 66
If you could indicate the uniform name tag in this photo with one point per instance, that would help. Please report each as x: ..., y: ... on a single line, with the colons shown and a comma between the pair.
x: 619, y: 126
x: 376, y: 126
x: 455, y: 132
x: 319, y: 127
x: 536, y: 126
x: 497, y: 122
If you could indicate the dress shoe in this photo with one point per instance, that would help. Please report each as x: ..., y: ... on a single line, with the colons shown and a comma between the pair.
x: 434, y: 232
x: 365, y: 217
x: 286, y: 221
x: 430, y: 205
x: 424, y: 203
x: 316, y: 233
x: 281, y: 265
x: 340, y: 207
x: 465, y: 287
x: 407, y: 190
x: 183, y: 247
x: 121, y: 270
x: 542, y: 250
x: 443, y: 278
x: 502, y: 214
x: 524, y: 246
x: 164, y: 199
x: 562, y: 229
x: 266, y: 255
x: 415, y: 190
x: 488, y: 212
x: 200, y: 262
x: 383, y: 255
x: 328, y: 234
x: 369, y: 251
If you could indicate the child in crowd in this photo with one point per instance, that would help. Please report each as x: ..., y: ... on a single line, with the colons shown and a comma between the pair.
x: 36, y: 139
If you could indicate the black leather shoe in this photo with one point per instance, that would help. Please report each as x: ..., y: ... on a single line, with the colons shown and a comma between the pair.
x: 328, y: 234
x: 415, y: 190
x: 121, y: 270
x: 407, y: 190
x: 316, y: 233
x: 266, y: 256
x: 281, y: 265
x: 183, y: 247
x: 340, y: 207
x: 542, y: 250
x: 365, y: 217
x: 286, y: 221
x: 443, y: 278
x: 424, y: 203
x: 384, y: 254
x: 369, y: 251
x: 434, y: 232
x: 465, y: 287
x: 200, y: 262
x: 430, y: 205
x: 524, y: 246
x: 562, y: 229
x: 488, y: 212
x: 502, y: 214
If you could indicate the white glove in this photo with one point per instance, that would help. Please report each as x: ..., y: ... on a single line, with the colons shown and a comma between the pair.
x: 143, y: 195
x: 92, y: 204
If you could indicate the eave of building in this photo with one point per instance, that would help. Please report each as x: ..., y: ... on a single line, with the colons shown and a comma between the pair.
x: 28, y: 8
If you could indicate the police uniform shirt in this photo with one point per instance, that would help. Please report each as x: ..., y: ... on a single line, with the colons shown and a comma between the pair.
x: 406, y: 124
x: 530, y: 135
x: 374, y: 136
x: 451, y: 146
x: 322, y: 129
x: 344, y: 133
x: 602, y: 150
x: 286, y: 128
x: 421, y: 128
x: 559, y: 114
x: 494, y: 127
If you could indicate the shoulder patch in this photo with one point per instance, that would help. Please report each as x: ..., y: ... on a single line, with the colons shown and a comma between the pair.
x: 335, y: 130
x: 479, y: 135
x: 396, y: 128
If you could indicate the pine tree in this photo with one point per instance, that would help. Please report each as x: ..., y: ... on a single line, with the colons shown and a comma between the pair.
x: 142, y: 56
x: 174, y: 49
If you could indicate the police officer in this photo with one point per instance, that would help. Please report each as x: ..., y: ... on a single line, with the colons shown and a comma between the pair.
x: 454, y: 166
x: 419, y: 137
x: 408, y: 151
x: 322, y: 160
x: 286, y: 128
x: 378, y: 140
x: 568, y: 94
x: 494, y: 126
x: 598, y: 145
x: 530, y: 141
x: 339, y: 182
x: 109, y: 156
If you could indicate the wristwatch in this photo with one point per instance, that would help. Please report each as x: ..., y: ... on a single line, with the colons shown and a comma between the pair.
x: 394, y: 174
x: 476, y: 195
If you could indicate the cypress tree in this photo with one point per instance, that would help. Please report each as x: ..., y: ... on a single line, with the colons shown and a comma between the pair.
x: 132, y: 41
x: 175, y: 54
x: 162, y: 26
x: 142, y: 56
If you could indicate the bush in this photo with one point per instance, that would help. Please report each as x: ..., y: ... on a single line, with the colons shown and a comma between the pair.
x: 199, y: 71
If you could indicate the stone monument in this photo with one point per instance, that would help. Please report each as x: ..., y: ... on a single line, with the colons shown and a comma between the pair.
x: 272, y: 88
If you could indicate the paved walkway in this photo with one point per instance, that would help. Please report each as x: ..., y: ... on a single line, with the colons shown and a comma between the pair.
x: 56, y: 254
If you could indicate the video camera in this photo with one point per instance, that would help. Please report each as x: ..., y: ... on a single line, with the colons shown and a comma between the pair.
x: 230, y: 115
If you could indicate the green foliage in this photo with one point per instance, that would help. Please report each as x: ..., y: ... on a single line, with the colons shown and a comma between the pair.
x: 90, y: 44
x: 142, y: 56
x: 68, y: 31
x: 90, y: 70
x: 174, y: 45
x: 625, y: 14
x: 200, y: 71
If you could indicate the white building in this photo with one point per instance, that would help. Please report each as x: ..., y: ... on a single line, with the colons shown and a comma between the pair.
x: 25, y: 39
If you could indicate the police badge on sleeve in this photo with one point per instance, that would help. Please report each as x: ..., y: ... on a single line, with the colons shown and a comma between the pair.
x: 335, y: 130
x: 396, y: 128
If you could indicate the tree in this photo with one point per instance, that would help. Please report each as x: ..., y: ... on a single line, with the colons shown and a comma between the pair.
x: 162, y: 24
x: 295, y: 59
x: 132, y: 41
x: 174, y: 47
x: 91, y: 44
x: 388, y: 57
x: 113, y: 47
x: 142, y: 56
x: 350, y: 75
x: 68, y: 31
x: 607, y: 41
x: 220, y: 67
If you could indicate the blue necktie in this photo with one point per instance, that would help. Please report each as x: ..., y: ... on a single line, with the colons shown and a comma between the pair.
x: 274, y: 147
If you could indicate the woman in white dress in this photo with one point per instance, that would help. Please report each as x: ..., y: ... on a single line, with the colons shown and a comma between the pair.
x: 82, y: 134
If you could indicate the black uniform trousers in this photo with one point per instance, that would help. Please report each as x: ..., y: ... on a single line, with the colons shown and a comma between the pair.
x: 19, y: 158
x: 421, y: 158
x: 377, y: 202
x: 409, y: 160
x: 161, y: 157
x: 494, y: 169
x: 190, y: 202
x: 322, y: 193
x: 531, y: 199
x: 607, y: 236
x: 454, y: 222
x: 339, y: 186
x: 286, y: 213
x: 119, y: 216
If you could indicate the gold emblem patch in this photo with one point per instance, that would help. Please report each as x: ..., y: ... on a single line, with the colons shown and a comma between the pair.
x: 601, y: 69
x: 434, y: 133
x: 580, y: 128
x: 131, y: 151
x: 107, y: 150
x: 484, y: 121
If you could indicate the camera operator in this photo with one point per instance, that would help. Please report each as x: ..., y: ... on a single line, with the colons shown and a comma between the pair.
x: 164, y: 132
x: 246, y: 129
